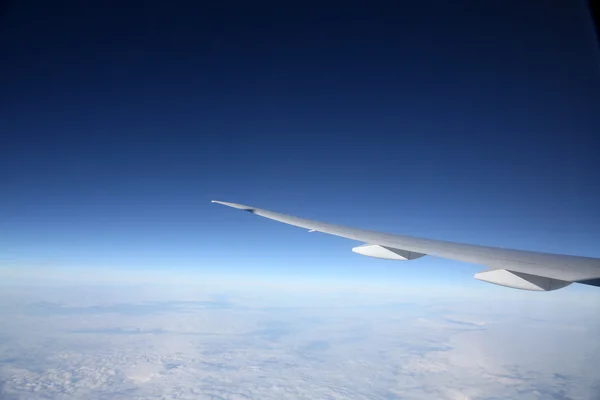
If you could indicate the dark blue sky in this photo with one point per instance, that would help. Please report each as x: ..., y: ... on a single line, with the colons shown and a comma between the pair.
x: 469, y: 121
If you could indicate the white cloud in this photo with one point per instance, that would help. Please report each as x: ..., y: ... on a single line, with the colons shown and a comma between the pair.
x: 145, y: 344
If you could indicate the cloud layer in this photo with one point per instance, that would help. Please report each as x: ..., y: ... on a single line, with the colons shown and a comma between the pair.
x: 221, y: 346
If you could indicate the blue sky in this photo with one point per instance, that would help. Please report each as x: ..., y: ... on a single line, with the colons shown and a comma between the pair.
x: 470, y: 123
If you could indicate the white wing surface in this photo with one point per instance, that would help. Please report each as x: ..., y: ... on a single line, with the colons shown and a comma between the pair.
x: 518, y: 269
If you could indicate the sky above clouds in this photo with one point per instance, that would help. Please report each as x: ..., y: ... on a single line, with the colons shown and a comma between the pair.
x: 471, y: 122
x: 466, y: 122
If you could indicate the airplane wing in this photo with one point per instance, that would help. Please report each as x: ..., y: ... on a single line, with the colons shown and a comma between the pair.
x: 518, y: 269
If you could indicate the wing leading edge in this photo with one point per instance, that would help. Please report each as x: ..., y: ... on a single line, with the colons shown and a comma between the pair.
x: 519, y: 269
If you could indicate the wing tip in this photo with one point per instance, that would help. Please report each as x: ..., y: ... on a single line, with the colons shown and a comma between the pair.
x: 234, y: 205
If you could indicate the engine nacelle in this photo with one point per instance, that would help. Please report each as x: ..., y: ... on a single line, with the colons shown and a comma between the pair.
x: 387, y: 253
x: 520, y: 280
